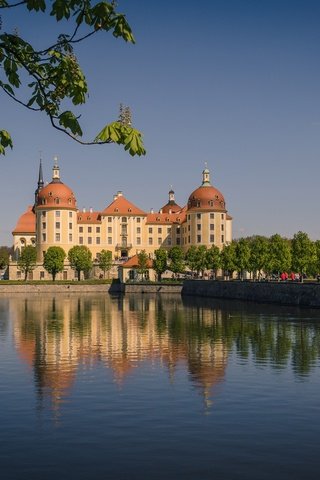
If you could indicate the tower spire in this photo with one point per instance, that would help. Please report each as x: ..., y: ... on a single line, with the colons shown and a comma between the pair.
x: 206, y: 176
x: 56, y: 170
x: 40, y: 182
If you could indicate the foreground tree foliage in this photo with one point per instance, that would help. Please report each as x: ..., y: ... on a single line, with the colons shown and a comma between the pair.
x: 80, y: 259
x: 27, y: 261
x: 54, y: 261
x: 304, y: 254
x: 49, y: 79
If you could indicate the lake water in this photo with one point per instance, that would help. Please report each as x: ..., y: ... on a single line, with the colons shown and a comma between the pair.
x: 157, y: 387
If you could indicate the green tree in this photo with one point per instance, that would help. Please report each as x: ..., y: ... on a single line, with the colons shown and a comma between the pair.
x: 51, y: 78
x: 228, y: 259
x: 160, y: 262
x: 80, y: 259
x: 105, y: 261
x: 304, y: 254
x: 213, y: 259
x: 142, y: 263
x: 176, y: 258
x: 54, y: 261
x: 316, y: 265
x: 242, y: 256
x: 191, y: 258
x: 4, y: 257
x: 201, y: 259
x: 279, y: 256
x: 28, y: 260
x: 259, y: 248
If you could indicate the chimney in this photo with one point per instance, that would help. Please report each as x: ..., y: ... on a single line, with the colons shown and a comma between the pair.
x: 160, y: 211
x: 151, y: 210
x: 115, y: 197
x: 119, y: 193
x: 83, y: 210
x: 90, y: 210
x: 170, y: 211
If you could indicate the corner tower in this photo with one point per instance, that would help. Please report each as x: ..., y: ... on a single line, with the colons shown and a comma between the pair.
x: 56, y: 215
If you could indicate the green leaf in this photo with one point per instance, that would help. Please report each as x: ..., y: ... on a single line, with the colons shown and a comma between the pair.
x: 69, y: 121
x: 5, y: 141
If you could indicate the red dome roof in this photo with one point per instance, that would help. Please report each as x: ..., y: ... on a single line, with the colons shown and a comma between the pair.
x: 57, y: 195
x: 171, y: 207
x: 26, y: 223
x: 206, y: 197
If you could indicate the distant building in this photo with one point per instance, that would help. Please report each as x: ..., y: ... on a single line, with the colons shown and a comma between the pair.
x: 121, y: 227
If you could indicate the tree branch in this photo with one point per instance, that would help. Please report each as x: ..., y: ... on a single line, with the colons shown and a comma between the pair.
x: 13, y: 5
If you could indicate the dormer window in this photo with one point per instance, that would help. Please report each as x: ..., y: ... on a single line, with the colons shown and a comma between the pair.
x: 57, y: 201
x: 50, y: 194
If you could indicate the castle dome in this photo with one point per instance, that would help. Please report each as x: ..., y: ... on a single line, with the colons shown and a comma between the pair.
x: 26, y: 223
x: 56, y: 194
x: 171, y: 206
x: 206, y: 197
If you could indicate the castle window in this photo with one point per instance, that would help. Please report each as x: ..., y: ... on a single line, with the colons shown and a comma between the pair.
x: 211, y: 203
x: 89, y: 229
x: 158, y: 219
x: 42, y: 275
x: 129, y: 209
x: 198, y: 226
x: 159, y: 241
x: 222, y: 216
x: 57, y: 237
x: 70, y: 214
x: 80, y: 229
x: 80, y: 218
x: 109, y: 240
x: 124, y: 219
x: 98, y: 240
x: 169, y: 230
x: 211, y: 216
x: 116, y: 209
x: 138, y: 229
x: 44, y: 237
x: 57, y: 225
x: 198, y: 238
x: 97, y: 229
x: 150, y: 229
x: 211, y: 226
x: 199, y: 216
x: 109, y: 229
x: 70, y: 226
x: 178, y: 241
x: 70, y: 237
x: 57, y: 213
x: 198, y: 203
x: 211, y: 238
x: 189, y: 239
x: 138, y: 220
x: 150, y: 241
x: 81, y: 240
x: 89, y: 240
x: 43, y: 201
x: 57, y: 201
x: 217, y: 197
x: 50, y: 194
x: 222, y: 228
x: 222, y: 238
x: 43, y: 214
x: 109, y: 219
x: 44, y: 225
x: 138, y: 240
x: 159, y: 230
x: 69, y: 201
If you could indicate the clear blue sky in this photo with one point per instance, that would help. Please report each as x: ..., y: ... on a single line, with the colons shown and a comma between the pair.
x: 235, y: 83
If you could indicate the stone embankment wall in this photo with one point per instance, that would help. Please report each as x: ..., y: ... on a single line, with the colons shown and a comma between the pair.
x: 282, y: 293
x: 99, y: 288
x: 23, y: 288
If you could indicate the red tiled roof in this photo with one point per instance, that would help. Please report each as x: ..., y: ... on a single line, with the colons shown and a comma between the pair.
x: 166, y: 218
x: 89, y: 217
x: 26, y: 222
x: 122, y: 206
x: 56, y: 195
x: 133, y: 262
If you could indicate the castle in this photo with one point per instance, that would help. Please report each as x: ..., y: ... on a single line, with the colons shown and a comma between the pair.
x: 121, y: 227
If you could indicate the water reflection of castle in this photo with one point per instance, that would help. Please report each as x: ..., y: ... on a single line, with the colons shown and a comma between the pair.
x: 55, y: 337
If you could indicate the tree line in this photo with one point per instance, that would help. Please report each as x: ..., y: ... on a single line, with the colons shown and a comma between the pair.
x: 258, y: 255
